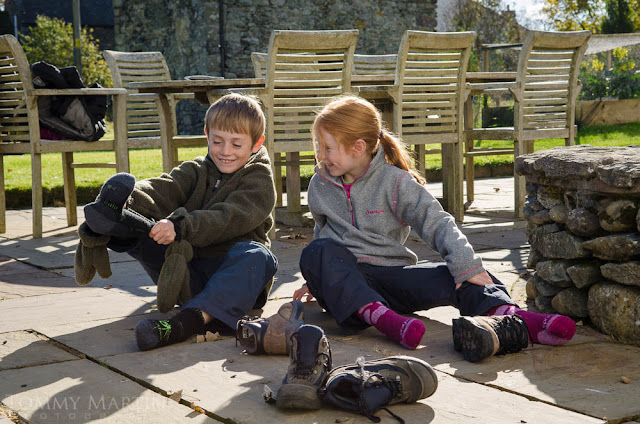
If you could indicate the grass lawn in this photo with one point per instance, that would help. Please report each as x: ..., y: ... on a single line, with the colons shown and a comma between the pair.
x: 146, y: 163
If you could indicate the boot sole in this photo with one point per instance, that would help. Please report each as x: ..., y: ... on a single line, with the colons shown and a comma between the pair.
x: 477, y: 342
x: 457, y: 339
x: 298, y: 396
x: 420, y: 369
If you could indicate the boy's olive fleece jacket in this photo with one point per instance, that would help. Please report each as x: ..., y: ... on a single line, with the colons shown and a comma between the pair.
x: 211, y: 210
x: 374, y: 223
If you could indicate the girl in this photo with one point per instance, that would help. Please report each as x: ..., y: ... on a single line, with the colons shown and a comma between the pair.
x: 365, y: 197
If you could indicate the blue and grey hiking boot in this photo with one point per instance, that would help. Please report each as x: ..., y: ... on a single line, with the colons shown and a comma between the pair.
x: 367, y: 386
x: 310, y: 363
x: 107, y: 214
x: 480, y: 337
x: 271, y: 335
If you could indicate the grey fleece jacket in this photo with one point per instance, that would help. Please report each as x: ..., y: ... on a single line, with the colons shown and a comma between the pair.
x: 375, y: 220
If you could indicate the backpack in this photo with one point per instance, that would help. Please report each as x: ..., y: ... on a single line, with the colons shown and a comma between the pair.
x: 72, y: 117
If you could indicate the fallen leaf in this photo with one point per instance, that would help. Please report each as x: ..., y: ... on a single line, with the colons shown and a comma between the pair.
x: 230, y: 361
x: 200, y: 338
x: 496, y: 189
x: 198, y: 409
x: 108, y: 287
x: 176, y: 395
x: 211, y: 337
x: 625, y: 380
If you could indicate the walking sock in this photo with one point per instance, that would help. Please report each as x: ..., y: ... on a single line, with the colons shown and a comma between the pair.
x: 548, y: 329
x: 406, y: 331
x: 152, y: 333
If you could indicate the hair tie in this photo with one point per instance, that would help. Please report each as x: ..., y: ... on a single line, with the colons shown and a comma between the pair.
x: 380, y: 136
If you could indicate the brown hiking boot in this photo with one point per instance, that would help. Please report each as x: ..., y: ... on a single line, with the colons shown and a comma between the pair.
x: 480, y: 337
x: 271, y: 335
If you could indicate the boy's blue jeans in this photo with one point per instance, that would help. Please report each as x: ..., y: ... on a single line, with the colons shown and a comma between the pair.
x: 342, y: 286
x: 226, y: 287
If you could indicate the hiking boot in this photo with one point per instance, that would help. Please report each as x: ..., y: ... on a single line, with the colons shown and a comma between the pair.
x: 107, y: 214
x: 271, y: 335
x: 480, y: 337
x: 310, y: 363
x: 368, y: 386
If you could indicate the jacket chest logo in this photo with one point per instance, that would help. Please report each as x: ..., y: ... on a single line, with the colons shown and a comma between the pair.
x: 373, y: 212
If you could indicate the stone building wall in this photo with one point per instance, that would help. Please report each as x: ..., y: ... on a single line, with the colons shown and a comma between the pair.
x: 583, y: 217
x: 188, y: 32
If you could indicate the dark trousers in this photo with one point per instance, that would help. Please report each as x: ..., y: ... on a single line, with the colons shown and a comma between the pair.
x: 342, y: 286
x: 226, y: 287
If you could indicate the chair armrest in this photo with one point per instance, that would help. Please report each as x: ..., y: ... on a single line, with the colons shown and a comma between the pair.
x: 183, y: 96
x: 75, y: 92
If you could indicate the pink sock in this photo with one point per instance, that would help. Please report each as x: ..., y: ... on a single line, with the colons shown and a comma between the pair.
x: 406, y: 331
x: 548, y: 329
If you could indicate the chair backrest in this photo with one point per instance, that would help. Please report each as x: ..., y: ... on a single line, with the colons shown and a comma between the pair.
x: 548, y: 75
x: 143, y: 119
x: 430, y: 83
x: 374, y: 64
x: 15, y: 80
x: 259, y: 61
x: 304, y: 70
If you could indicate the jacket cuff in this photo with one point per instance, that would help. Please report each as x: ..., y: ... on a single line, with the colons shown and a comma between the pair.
x: 176, y: 220
x: 464, y: 276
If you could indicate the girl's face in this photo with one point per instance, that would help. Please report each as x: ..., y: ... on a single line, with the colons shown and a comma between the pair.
x: 336, y: 160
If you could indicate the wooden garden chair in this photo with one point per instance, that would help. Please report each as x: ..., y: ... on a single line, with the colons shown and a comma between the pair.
x: 545, y: 94
x: 305, y: 69
x: 20, y: 132
x: 428, y: 95
x: 144, y: 122
x: 374, y: 64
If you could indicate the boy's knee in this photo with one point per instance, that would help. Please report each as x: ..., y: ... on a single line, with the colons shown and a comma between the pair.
x: 255, y: 251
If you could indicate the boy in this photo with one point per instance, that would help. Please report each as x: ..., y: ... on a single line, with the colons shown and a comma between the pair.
x: 209, y: 249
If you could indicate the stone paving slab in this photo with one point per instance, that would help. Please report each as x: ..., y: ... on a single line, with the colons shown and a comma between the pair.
x: 20, y: 349
x: 56, y: 251
x: 82, y: 391
x: 88, y: 304
x: 222, y: 380
x: 18, y: 280
x: 99, y: 338
x: 127, y: 277
x: 580, y: 376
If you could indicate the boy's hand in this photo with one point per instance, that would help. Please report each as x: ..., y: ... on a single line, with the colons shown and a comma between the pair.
x: 482, y: 279
x: 163, y: 232
x: 299, y: 294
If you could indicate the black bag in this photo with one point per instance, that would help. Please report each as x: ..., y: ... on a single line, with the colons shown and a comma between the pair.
x: 73, y: 117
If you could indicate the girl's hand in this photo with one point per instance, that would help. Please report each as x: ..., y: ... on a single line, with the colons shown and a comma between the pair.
x: 163, y: 232
x: 299, y: 294
x: 481, y: 279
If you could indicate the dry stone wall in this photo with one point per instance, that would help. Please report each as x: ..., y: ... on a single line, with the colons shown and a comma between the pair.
x: 583, y: 225
x: 197, y: 39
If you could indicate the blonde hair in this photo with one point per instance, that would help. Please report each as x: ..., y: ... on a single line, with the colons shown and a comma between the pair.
x: 350, y: 118
x: 238, y: 114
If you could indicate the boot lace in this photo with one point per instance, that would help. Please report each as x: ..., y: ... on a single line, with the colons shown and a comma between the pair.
x: 394, y: 386
x: 302, y: 370
x: 513, y: 334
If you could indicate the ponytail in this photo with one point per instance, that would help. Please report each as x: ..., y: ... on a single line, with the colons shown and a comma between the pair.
x: 396, y: 153
x: 350, y: 118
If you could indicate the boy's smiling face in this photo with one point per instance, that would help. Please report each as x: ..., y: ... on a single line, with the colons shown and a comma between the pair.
x: 230, y: 151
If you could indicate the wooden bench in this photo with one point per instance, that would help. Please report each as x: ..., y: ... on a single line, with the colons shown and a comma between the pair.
x: 144, y: 122
x: 20, y: 132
